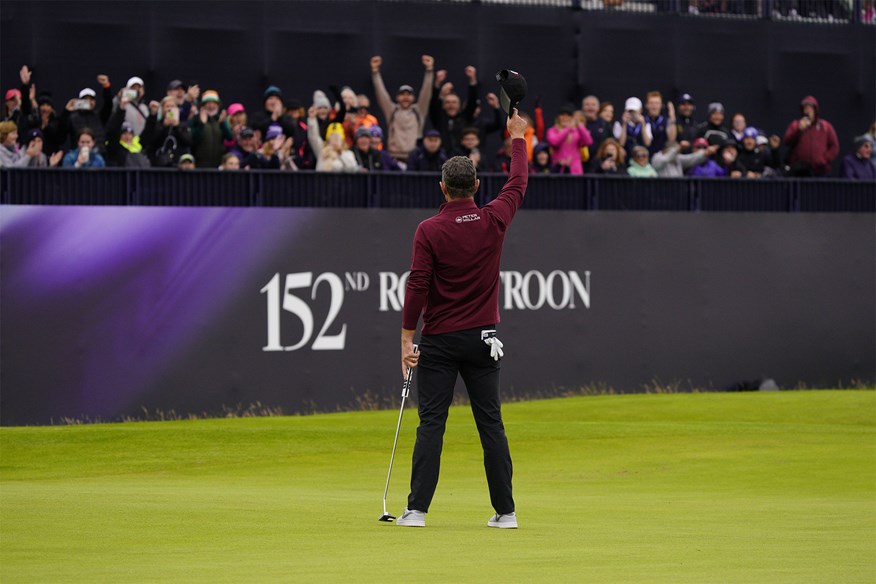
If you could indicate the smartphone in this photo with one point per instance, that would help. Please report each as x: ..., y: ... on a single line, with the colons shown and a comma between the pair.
x: 81, y: 104
x: 131, y: 94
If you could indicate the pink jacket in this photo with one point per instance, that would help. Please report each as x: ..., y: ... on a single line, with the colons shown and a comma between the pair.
x: 566, y: 146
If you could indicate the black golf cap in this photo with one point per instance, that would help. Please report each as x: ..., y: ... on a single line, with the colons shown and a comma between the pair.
x: 512, y: 89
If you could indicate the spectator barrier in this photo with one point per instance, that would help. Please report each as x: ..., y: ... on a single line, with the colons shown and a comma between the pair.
x: 419, y: 190
x: 109, y: 309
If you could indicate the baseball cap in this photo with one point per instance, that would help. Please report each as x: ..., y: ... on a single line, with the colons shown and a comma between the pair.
x: 750, y: 132
x: 235, y: 108
x: 87, y: 92
x: 716, y: 106
x: 13, y: 93
x: 512, y: 89
x: 274, y: 130
x: 175, y: 84
x: 135, y: 81
x: 686, y: 98
x: 376, y: 132
x: 126, y: 127
x: 362, y: 131
x: 404, y: 88
x: 33, y: 134
x: 246, y: 132
x: 700, y: 142
x: 187, y: 158
x: 634, y: 104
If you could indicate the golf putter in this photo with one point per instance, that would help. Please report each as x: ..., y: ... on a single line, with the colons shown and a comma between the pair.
x: 406, y: 391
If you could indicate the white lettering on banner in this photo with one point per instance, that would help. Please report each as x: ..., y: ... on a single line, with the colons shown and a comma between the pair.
x: 518, y: 289
x: 392, y: 291
x: 298, y: 307
x: 521, y: 291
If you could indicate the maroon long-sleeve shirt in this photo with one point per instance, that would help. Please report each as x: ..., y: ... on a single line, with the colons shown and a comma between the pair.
x: 454, y: 278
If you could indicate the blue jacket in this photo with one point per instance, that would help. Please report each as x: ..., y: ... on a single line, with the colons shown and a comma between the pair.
x: 95, y: 160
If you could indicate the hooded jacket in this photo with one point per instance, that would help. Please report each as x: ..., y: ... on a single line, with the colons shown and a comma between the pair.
x: 817, y: 145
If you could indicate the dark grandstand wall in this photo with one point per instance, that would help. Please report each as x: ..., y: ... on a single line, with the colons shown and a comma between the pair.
x: 758, y: 67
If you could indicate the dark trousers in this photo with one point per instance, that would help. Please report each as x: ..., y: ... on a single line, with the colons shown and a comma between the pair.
x: 442, y: 358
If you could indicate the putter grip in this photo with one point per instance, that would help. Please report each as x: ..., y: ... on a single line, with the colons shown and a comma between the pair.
x: 406, y: 385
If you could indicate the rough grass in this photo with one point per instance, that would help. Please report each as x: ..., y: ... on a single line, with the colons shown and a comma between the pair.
x: 746, y: 487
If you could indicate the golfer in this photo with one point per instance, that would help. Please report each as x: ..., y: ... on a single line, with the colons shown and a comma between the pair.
x: 454, y: 283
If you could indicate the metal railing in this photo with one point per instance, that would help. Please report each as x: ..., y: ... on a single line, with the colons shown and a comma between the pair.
x: 803, y: 11
x: 150, y: 187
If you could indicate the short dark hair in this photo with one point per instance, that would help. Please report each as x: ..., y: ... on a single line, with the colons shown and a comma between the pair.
x: 459, y: 176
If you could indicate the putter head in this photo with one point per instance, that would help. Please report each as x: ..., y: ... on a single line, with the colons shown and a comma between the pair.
x: 387, y: 518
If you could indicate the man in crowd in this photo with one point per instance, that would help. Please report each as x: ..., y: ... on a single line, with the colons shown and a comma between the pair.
x: 599, y: 129
x: 686, y: 127
x: 82, y: 113
x: 662, y: 128
x: 404, y: 117
x: 713, y: 129
x: 811, y: 141
x: 447, y: 114
x: 429, y: 157
x: 209, y: 131
x: 369, y: 158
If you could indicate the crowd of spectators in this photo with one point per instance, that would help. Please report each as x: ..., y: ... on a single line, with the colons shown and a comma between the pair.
x: 410, y: 130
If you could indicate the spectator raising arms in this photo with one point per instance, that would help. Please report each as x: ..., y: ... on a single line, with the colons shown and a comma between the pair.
x: 447, y: 114
x: 332, y: 154
x: 566, y: 139
x: 82, y: 113
x: 404, y: 117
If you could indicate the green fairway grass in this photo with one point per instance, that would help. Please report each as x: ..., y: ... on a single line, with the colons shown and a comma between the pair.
x: 765, y: 487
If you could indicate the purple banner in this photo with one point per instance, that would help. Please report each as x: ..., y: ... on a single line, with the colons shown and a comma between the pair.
x: 105, y: 311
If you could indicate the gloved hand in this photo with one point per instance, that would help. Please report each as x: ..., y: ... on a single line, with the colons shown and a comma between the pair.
x: 496, y: 345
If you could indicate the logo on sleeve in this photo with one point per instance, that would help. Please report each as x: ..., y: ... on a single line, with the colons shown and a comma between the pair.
x: 468, y: 218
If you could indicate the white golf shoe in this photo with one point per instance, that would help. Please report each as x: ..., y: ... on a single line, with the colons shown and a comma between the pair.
x: 503, y: 521
x: 412, y: 518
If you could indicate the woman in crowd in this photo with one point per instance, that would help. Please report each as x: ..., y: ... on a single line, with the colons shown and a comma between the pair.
x: 332, y: 154
x: 610, y: 158
x: 566, y: 139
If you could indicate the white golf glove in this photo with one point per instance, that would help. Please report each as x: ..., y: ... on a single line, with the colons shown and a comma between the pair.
x: 496, y: 351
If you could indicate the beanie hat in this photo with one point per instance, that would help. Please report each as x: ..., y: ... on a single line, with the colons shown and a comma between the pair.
x: 750, y: 132
x: 860, y: 141
x: 363, y: 131
x: 335, y: 128
x: 320, y: 99
x: 376, y: 132
x: 210, y: 95
x: 716, y: 106
x: 273, y: 90
x: 347, y: 92
x: 135, y: 81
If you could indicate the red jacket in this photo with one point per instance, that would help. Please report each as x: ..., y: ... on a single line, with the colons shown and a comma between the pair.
x: 454, y: 276
x: 817, y: 145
